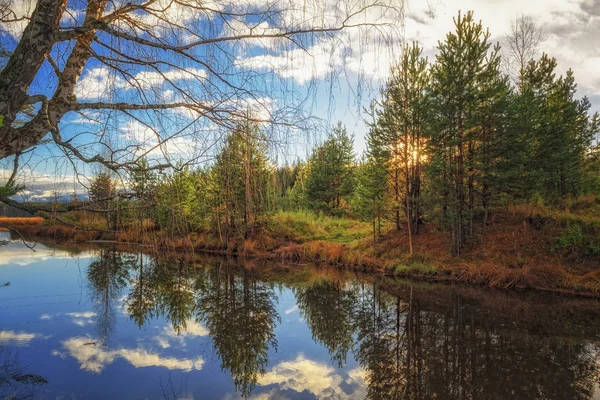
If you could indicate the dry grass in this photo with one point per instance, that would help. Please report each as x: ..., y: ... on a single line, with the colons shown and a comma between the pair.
x: 292, y: 252
x: 514, y: 251
x: 14, y: 222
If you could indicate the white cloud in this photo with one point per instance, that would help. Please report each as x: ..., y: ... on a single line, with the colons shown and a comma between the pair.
x: 365, y: 48
x: 291, y: 309
x: 12, y: 338
x: 192, y: 330
x: 156, y: 79
x: 94, y: 358
x: 20, y: 8
x: 97, y: 83
x: 237, y: 28
x: 157, y: 144
x: 103, y: 83
x: 41, y: 186
x: 320, y: 60
x: 320, y: 379
x: 77, y: 318
x: 16, y: 253
x: 259, y: 107
x: 571, y: 28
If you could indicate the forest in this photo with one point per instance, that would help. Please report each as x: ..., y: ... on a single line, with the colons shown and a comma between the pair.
x: 473, y: 171
x: 341, y: 199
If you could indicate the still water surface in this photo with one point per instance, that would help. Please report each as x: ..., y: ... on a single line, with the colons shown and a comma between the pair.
x: 104, y: 324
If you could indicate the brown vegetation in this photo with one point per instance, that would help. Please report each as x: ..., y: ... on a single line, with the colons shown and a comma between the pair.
x: 516, y: 250
x: 8, y: 222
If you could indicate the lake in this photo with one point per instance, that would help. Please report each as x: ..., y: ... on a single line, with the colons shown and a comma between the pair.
x: 99, y: 323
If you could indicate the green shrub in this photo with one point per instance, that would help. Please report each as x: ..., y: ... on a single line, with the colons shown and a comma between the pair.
x: 572, y: 239
x: 421, y: 268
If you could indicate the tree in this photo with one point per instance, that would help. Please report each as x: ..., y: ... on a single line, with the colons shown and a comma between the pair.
x: 368, y: 200
x: 465, y: 68
x: 329, y: 184
x: 240, y: 314
x: 401, y: 122
x: 371, y: 186
x: 297, y: 194
x: 190, y: 46
x: 143, y: 185
x: 327, y: 307
x: 551, y: 133
x: 102, y: 197
x: 284, y: 180
x: 523, y: 42
x: 493, y: 142
x: 242, y: 174
x: 107, y: 275
x: 178, y: 202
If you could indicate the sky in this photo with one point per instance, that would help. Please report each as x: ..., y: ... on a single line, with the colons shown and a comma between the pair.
x: 332, y: 76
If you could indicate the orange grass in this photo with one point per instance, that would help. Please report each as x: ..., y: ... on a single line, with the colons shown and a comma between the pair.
x: 513, y: 251
x: 10, y: 221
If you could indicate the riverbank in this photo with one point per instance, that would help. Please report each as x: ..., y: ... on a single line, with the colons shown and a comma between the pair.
x: 523, y: 248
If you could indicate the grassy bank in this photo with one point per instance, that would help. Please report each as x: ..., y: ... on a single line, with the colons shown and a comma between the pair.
x: 523, y: 247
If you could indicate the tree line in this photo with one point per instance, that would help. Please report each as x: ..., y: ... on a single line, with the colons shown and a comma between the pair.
x: 449, y: 141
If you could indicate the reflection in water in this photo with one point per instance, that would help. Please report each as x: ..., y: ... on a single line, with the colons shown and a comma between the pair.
x: 94, y: 357
x: 239, y: 312
x: 328, y: 308
x: 320, y: 379
x: 15, y: 382
x: 404, y: 342
x: 406, y: 350
x: 108, y: 275
x: 161, y: 288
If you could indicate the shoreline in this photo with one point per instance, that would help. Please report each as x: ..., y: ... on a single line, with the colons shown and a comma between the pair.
x: 323, y: 254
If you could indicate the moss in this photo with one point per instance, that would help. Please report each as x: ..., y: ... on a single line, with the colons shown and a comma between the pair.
x: 417, y: 268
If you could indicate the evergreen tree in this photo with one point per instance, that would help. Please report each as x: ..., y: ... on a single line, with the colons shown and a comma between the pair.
x: 143, y: 186
x: 329, y: 184
x: 550, y: 136
x: 368, y: 201
x: 283, y: 182
x: 401, y: 126
x: 177, y: 201
x: 297, y: 194
x: 242, y: 174
x: 464, y: 68
x: 102, y: 194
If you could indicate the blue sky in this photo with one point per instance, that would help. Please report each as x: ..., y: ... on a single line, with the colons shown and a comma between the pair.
x: 332, y: 77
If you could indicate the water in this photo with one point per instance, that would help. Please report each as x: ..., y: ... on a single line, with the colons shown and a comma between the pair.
x: 101, y: 324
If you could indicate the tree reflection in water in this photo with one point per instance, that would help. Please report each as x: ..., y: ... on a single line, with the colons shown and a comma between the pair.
x: 239, y: 312
x: 415, y: 344
x: 108, y: 274
x: 328, y: 308
x: 237, y: 309
x: 15, y: 382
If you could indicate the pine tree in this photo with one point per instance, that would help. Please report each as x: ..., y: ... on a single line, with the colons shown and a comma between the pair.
x: 368, y: 200
x: 297, y: 194
x: 550, y: 134
x: 143, y: 186
x: 102, y: 194
x: 330, y: 182
x: 464, y: 68
x: 177, y: 202
x: 401, y: 125
x: 242, y: 175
